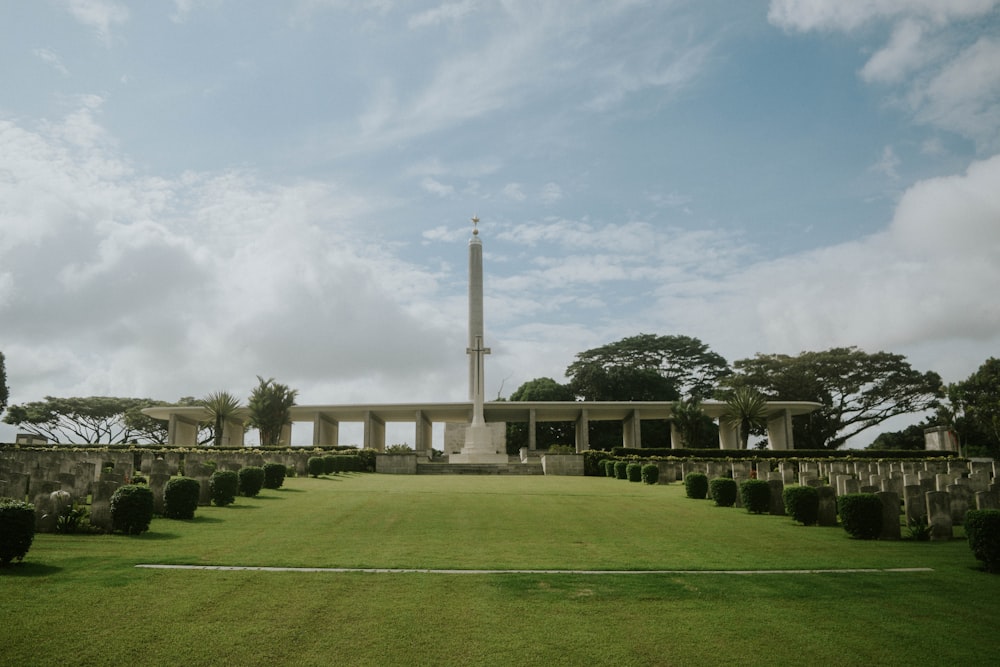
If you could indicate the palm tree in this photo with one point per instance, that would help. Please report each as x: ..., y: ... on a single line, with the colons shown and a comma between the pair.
x: 270, y: 404
x: 689, y: 419
x: 745, y: 409
x: 222, y: 407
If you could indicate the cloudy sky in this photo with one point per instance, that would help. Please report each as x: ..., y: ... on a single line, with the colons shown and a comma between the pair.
x: 196, y: 192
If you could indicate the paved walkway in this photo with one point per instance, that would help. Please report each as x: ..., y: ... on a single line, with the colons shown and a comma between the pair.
x: 388, y: 570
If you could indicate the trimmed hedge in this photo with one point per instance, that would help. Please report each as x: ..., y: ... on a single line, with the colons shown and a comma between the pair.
x: 131, y: 509
x: 17, y: 529
x: 180, y: 498
x: 621, y: 469
x: 756, y: 495
x: 315, y: 466
x: 251, y: 481
x: 982, y: 527
x: 274, y: 475
x: 224, y: 485
x: 330, y: 464
x: 593, y: 462
x: 650, y: 473
x: 802, y: 504
x: 633, y: 471
x: 609, y: 467
x: 696, y: 485
x: 723, y: 491
x: 861, y: 515
x: 892, y: 455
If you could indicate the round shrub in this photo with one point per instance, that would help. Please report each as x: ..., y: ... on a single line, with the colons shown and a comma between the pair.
x: 180, y: 498
x: 861, y: 515
x: 621, y: 468
x: 17, y: 529
x: 274, y: 475
x: 315, y: 466
x: 982, y: 527
x: 723, y: 491
x: 696, y: 485
x: 802, y: 504
x: 650, y: 473
x: 633, y: 471
x: 609, y: 467
x: 224, y: 485
x: 131, y: 509
x: 139, y: 479
x: 756, y: 495
x: 329, y: 464
x: 251, y: 479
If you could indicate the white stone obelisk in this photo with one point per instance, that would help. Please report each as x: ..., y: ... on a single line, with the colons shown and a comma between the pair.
x: 479, y: 446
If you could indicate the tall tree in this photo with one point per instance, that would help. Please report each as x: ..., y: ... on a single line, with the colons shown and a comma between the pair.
x: 270, y: 404
x: 686, y: 365
x: 147, y: 429
x: 696, y: 429
x: 546, y: 433
x: 222, y: 406
x: 92, y: 420
x: 746, y: 411
x: 858, y: 390
x: 4, y: 391
x: 977, y: 399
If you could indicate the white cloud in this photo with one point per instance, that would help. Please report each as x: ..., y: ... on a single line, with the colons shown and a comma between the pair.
x: 904, y: 53
x: 436, y: 187
x: 51, y: 59
x: 551, y: 193
x: 887, y: 164
x: 805, y: 15
x: 514, y: 192
x: 101, y: 15
x: 449, y: 12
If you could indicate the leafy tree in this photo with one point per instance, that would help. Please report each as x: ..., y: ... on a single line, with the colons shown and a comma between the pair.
x: 685, y: 364
x: 910, y: 438
x: 746, y: 410
x: 858, y: 390
x: 270, y: 404
x: 96, y: 419
x: 977, y: 409
x: 546, y: 433
x: 222, y: 406
x: 4, y: 391
x: 148, y: 429
x: 697, y: 430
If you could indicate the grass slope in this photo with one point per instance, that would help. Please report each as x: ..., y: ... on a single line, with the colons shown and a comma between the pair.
x: 80, y: 600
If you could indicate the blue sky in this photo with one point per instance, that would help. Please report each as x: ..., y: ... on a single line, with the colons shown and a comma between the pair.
x: 193, y: 193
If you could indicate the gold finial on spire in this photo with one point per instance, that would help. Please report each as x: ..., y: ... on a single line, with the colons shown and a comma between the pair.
x: 475, y: 225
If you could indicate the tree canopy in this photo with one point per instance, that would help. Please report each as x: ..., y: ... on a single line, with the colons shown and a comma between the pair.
x: 858, y: 390
x: 976, y: 402
x: 546, y: 433
x: 269, y: 406
x: 686, y: 365
x: 91, y: 420
x: 222, y: 406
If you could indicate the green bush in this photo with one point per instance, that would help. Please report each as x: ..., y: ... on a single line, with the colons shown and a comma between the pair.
x: 251, y: 480
x: 609, y: 467
x: 224, y: 485
x: 593, y: 463
x: 696, y: 485
x: 315, y: 466
x: 330, y: 464
x: 180, y: 498
x: 756, y: 495
x: 723, y: 491
x: 131, y: 509
x: 274, y: 475
x: 621, y: 469
x: 982, y: 527
x: 650, y: 473
x: 861, y: 515
x: 802, y: 504
x: 633, y: 472
x: 17, y: 529
x: 366, y: 460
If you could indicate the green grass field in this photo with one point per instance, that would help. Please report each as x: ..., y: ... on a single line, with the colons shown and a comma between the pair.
x: 80, y: 599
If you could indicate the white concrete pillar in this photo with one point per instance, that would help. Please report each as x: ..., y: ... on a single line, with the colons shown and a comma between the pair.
x: 182, y: 431
x: 424, y: 437
x: 532, y: 428
x: 779, y: 431
x: 729, y: 438
x: 232, y: 433
x: 326, y: 431
x: 676, y: 441
x: 632, y: 431
x: 374, y: 432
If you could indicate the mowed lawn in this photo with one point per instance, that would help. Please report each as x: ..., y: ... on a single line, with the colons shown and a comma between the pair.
x: 80, y: 599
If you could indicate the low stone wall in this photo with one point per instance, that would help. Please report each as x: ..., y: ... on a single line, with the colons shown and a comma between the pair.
x: 563, y: 464
x: 396, y: 464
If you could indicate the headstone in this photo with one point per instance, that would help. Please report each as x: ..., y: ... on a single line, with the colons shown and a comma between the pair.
x: 45, y: 514
x: 942, y: 481
x: 808, y: 476
x: 157, y: 483
x: 987, y: 500
x: 851, y: 485
x: 961, y: 498
x: 201, y: 472
x: 890, y: 515
x: 777, y: 500
x: 868, y: 488
x: 827, y: 506
x: 910, y: 479
x: 814, y: 482
x: 840, y: 481
x: 939, y: 515
x: 17, y: 485
x: 158, y: 467
x: 916, y: 506
x: 928, y: 484
x: 100, y: 506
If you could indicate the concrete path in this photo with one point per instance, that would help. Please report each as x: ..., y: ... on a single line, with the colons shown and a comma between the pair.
x: 386, y: 570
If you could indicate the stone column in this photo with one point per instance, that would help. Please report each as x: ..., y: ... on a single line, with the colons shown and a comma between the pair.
x: 583, y: 432
x: 374, y: 432
x: 182, y: 431
x: 632, y: 431
x: 728, y: 437
x: 779, y: 431
x: 532, y: 431
x: 326, y: 431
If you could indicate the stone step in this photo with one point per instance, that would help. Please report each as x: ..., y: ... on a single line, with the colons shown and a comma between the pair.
x: 479, y: 469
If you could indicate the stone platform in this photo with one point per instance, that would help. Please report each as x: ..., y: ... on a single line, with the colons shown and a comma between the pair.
x: 480, y: 469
